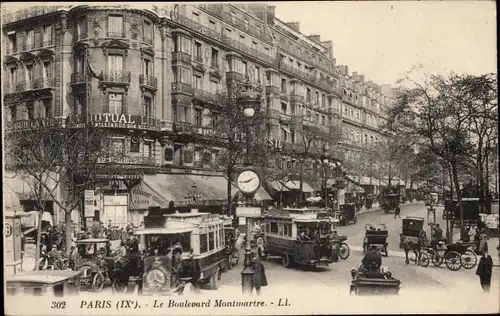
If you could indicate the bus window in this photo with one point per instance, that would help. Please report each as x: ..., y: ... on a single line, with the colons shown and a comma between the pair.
x: 211, y: 240
x: 274, y: 227
x: 203, y: 243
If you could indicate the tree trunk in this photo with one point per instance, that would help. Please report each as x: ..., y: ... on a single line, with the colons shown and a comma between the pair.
x: 229, y: 174
x: 38, y: 238
x: 459, y: 197
x: 69, y: 230
x: 390, y: 182
x: 301, y: 179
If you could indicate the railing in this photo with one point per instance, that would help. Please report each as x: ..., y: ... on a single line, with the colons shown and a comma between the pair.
x: 11, y: 49
x: 167, y: 125
x: 236, y: 76
x: 149, y: 81
x: 195, y: 26
x: 78, y: 77
x: 204, y: 95
x: 128, y: 160
x: 248, y: 50
x: 181, y: 57
x: 321, y: 82
x: 119, y: 34
x: 179, y: 87
x: 36, y: 123
x: 43, y: 83
x: 116, y: 76
x: 28, y: 46
x: 183, y: 127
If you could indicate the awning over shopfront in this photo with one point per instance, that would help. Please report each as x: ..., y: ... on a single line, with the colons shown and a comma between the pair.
x: 161, y: 189
x: 278, y: 186
x: 352, y: 187
x: 363, y: 180
x: 295, y: 185
x: 395, y: 182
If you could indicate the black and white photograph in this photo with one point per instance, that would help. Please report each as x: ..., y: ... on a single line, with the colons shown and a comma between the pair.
x: 250, y: 158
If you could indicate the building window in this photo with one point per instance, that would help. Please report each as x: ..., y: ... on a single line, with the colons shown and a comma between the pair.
x: 198, y: 116
x: 81, y: 28
x: 148, y: 107
x: 13, y: 77
x: 268, y: 79
x: 308, y: 95
x: 323, y: 100
x: 147, y: 67
x: 197, y: 82
x: 214, y: 86
x: 115, y: 26
x: 29, y: 75
x: 283, y: 108
x: 147, y: 32
x: 292, y: 109
x: 233, y: 17
x: 317, y: 97
x: 47, y: 35
x: 245, y: 21
x: 47, y: 70
x: 196, y: 16
x: 203, y: 243
x: 214, y: 60
x: 198, y: 52
x: 115, y: 63
x: 245, y: 68
x: 47, y: 107
x: 12, y: 43
x: 116, y: 103
x: 257, y: 74
x: 283, y: 85
x: 30, y: 39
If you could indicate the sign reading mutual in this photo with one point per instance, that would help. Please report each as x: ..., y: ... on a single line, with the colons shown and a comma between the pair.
x: 89, y: 203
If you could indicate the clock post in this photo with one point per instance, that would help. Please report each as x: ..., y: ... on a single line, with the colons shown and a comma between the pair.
x: 248, y: 183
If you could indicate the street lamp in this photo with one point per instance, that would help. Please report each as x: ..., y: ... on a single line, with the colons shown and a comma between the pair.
x: 325, y: 161
x: 250, y: 103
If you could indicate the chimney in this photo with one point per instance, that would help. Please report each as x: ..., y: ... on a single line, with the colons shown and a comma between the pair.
x: 346, y: 70
x: 271, y: 14
x: 362, y: 78
x: 294, y: 26
x: 355, y: 76
x: 329, y: 47
x: 315, y: 38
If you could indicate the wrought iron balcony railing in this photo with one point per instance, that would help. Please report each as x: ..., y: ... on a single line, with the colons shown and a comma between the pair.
x: 195, y: 26
x: 149, y: 161
x: 179, y: 87
x: 148, y: 81
x: 181, y: 57
x: 43, y: 83
x: 183, y: 127
x: 116, y: 76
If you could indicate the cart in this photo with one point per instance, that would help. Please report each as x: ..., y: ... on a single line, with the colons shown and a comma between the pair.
x: 376, y: 236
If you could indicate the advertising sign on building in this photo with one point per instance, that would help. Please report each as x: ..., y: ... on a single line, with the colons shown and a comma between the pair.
x: 89, y: 203
x: 248, y: 211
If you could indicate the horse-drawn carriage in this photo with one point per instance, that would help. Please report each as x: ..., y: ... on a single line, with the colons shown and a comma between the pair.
x: 347, y: 214
x: 390, y: 203
x: 373, y: 281
x: 376, y: 236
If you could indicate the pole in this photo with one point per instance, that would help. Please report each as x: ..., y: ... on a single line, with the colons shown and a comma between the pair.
x: 247, y: 273
x: 326, y: 189
x: 247, y: 157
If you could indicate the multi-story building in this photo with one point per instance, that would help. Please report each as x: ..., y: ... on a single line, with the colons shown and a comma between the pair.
x: 151, y: 76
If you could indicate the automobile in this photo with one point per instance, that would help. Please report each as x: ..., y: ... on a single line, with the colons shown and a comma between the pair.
x: 390, y: 202
x: 283, y: 237
x: 373, y: 281
x: 347, y: 214
x: 89, y: 262
x: 39, y: 283
x: 376, y: 235
x: 180, y: 249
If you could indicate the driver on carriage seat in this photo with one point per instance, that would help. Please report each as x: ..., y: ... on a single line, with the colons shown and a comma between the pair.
x: 372, y: 260
x: 437, y: 236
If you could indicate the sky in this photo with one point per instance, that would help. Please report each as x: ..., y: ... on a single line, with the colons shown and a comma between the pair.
x: 383, y: 40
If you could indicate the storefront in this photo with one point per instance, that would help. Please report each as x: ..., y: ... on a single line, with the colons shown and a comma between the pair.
x: 13, y: 213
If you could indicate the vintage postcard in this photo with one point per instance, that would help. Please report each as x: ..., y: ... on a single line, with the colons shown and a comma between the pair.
x: 250, y: 158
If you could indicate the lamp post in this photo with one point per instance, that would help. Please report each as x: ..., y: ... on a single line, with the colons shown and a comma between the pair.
x: 249, y: 102
x: 325, y: 161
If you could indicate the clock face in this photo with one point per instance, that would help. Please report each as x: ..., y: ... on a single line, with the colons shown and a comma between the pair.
x: 248, y: 181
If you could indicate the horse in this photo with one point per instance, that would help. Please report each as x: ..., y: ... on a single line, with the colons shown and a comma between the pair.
x: 414, y: 244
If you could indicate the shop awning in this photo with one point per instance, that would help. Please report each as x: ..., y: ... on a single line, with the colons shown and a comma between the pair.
x: 181, y: 188
x: 11, y: 201
x: 395, y: 182
x: 295, y: 185
x: 278, y: 186
x: 352, y: 187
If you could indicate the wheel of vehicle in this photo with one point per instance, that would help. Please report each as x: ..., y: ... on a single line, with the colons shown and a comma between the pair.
x: 436, y: 259
x: 469, y: 259
x: 285, y: 260
x: 214, y: 280
x: 453, y: 261
x: 98, y: 282
x: 344, y: 251
x: 424, y: 260
x: 118, y: 286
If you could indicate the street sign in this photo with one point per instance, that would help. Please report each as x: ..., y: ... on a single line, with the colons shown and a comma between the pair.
x: 248, y: 212
x: 89, y: 203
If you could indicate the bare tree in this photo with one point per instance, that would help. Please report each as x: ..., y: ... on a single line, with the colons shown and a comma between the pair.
x: 52, y: 157
x: 434, y: 112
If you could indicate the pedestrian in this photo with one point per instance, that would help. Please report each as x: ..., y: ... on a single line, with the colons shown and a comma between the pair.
x: 397, y: 212
x: 72, y: 258
x: 483, y: 241
x: 259, y: 277
x: 485, y: 271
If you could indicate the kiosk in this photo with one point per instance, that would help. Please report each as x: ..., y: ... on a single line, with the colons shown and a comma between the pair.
x: 13, y: 212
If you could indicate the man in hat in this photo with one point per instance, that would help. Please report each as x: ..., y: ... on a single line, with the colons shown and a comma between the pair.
x: 259, y: 277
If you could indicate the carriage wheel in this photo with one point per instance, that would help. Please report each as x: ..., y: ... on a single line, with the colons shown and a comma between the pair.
x: 344, y: 251
x: 424, y: 260
x: 98, y: 282
x: 469, y: 259
x: 437, y: 260
x: 453, y: 261
x: 230, y: 262
x: 118, y: 286
x: 285, y: 260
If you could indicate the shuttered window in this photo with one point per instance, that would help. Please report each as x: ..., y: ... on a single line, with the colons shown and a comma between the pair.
x: 115, y: 26
x: 47, y: 35
x: 115, y: 103
x: 148, y: 149
x: 30, y: 39
x: 115, y: 63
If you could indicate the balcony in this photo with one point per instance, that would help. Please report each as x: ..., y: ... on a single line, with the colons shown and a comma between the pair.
x: 148, y: 161
x: 117, y: 77
x: 234, y: 76
x: 181, y: 57
x: 118, y: 34
x: 183, y: 88
x: 28, y: 46
x: 195, y: 26
x: 43, y: 83
x: 272, y: 89
x: 78, y: 78
x: 295, y: 98
x: 183, y: 127
x: 148, y: 82
x: 249, y: 51
x: 36, y: 123
x: 204, y: 96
